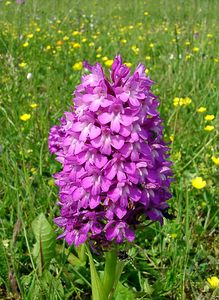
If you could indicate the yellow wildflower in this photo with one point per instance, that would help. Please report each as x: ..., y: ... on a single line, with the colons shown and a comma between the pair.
x: 98, y: 55
x: 124, y: 41
x: 215, y: 160
x: 198, y: 183
x: 99, y: 49
x: 151, y: 45
x: 177, y: 155
x: 91, y: 44
x: 128, y: 64
x: 109, y: 62
x: 209, y: 128
x: 187, y: 43
x: 65, y: 38
x: 104, y: 58
x: 59, y: 43
x: 8, y: 3
x: 203, y: 204
x: 173, y: 235
x: 74, y: 33
x: 77, y: 66
x: 25, y: 117
x: 33, y: 105
x: 30, y: 35
x: 178, y: 101
x: 38, y: 29
x: 84, y: 40
x: 210, y: 35
x: 209, y: 117
x: 146, y: 13
x: 188, y: 56
x: 201, y: 109
x: 181, y: 101
x: 147, y: 57
x: 187, y: 101
x: 172, y: 137
x: 51, y: 182
x: 76, y: 45
x: 26, y: 44
x: 214, y: 282
x: 135, y: 49
x: 22, y: 65
x: 33, y: 170
x: 5, y: 243
x: 48, y: 47
x: 195, y: 49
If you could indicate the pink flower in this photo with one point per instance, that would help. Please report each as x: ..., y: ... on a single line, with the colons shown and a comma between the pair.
x: 114, y: 159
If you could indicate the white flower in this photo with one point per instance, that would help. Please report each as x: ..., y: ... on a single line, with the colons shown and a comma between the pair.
x: 29, y: 76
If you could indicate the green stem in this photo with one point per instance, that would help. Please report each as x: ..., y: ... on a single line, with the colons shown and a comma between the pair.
x: 104, y: 289
x: 119, y: 268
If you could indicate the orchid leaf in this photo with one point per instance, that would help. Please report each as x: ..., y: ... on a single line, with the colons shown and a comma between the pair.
x: 98, y: 292
x: 44, y: 249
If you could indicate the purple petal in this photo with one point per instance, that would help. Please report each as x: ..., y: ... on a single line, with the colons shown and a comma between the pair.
x: 106, y: 147
x: 100, y: 161
x: 126, y: 150
x: 105, y: 118
x: 125, y: 131
x: 87, y: 182
x: 134, y: 101
x: 126, y: 120
x: 78, y: 193
x: 106, y: 103
x: 105, y: 184
x: 94, y: 201
x: 121, y: 176
x: 114, y: 194
x: 97, y: 142
x: 121, y: 212
x: 78, y: 126
x: 94, y: 132
x: 115, y: 124
x: 111, y: 172
x: 117, y: 142
x: 135, y: 194
x: 129, y: 235
x: 130, y: 168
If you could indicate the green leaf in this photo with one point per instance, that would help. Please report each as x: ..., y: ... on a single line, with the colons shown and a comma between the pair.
x: 123, y: 293
x: 110, y: 271
x: 44, y: 249
x: 98, y: 292
x: 72, y: 259
x: 52, y: 287
x: 81, y: 251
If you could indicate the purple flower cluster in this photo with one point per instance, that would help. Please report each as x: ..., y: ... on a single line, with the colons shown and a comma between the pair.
x: 115, y: 168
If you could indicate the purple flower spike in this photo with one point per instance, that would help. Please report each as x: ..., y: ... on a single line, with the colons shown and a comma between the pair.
x: 114, y: 159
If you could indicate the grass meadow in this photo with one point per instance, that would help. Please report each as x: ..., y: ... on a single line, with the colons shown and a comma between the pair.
x: 42, y: 47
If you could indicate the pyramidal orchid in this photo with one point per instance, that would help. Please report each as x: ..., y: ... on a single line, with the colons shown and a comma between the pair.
x: 115, y: 167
